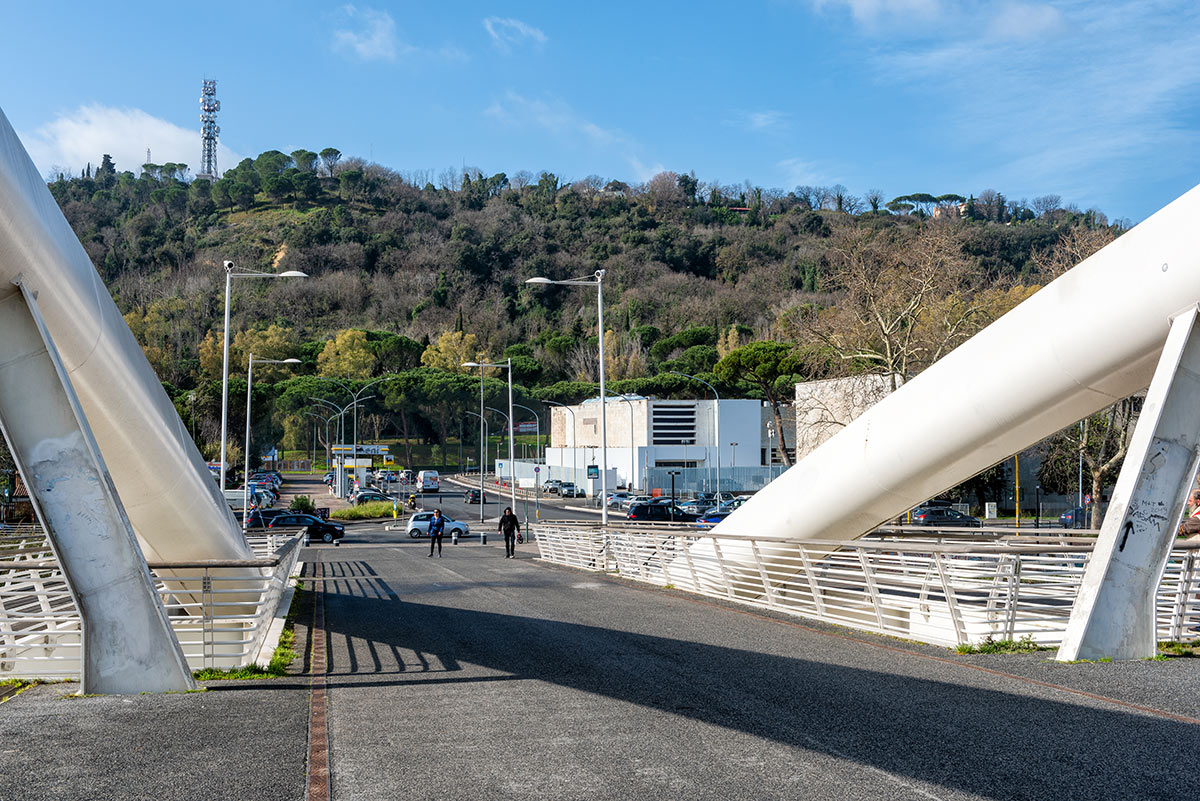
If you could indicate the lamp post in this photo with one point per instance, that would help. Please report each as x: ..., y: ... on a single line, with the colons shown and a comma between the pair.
x: 716, y: 423
x: 326, y: 419
x: 512, y: 469
x: 249, y: 383
x: 232, y: 272
x: 632, y: 466
x: 482, y: 457
x: 574, y: 441
x: 597, y: 280
x: 537, y: 422
x: 341, y: 410
x: 513, y: 475
x: 355, y: 396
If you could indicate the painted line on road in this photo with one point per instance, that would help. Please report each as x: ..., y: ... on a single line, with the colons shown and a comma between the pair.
x: 318, y: 724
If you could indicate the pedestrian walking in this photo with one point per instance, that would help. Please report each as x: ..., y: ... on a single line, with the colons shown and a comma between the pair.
x: 437, y: 527
x: 509, y: 526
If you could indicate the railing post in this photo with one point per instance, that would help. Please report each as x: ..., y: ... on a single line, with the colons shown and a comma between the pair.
x: 872, y: 588
x: 762, y: 572
x: 810, y: 574
x: 1014, y: 597
x: 724, y: 571
x: 207, y: 636
x: 1186, y: 566
x: 951, y: 602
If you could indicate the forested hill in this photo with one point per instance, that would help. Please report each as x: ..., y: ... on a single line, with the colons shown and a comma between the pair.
x: 386, y: 254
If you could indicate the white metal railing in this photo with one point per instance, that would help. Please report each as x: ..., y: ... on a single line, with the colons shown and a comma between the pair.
x: 220, y: 611
x: 945, y: 589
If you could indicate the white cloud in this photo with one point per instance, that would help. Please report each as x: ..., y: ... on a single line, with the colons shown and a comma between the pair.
x: 508, y: 33
x: 373, y: 37
x: 1024, y: 21
x: 560, y: 120
x: 870, y: 12
x: 76, y: 138
x: 798, y: 172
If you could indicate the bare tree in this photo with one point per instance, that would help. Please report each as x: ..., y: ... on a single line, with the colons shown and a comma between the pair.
x: 874, y: 199
x: 1045, y: 204
x: 520, y: 180
x: 1072, y: 247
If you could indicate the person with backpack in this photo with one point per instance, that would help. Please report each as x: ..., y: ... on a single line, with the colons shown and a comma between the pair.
x: 437, y: 527
x: 509, y: 526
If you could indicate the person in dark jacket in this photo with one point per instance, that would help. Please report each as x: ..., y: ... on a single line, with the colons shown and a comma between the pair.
x: 437, y: 527
x: 509, y: 526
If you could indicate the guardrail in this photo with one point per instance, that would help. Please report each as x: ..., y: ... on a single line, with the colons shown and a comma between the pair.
x: 933, y: 586
x: 220, y: 610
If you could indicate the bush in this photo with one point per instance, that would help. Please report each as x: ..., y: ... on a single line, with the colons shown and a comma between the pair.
x: 365, y: 512
x: 303, y: 503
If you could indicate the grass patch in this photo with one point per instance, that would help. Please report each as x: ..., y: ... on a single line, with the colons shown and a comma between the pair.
x: 367, y: 511
x: 283, y: 657
x: 1025, y: 645
x: 1184, y: 649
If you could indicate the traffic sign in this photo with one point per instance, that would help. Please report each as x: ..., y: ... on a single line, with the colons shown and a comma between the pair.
x: 537, y: 469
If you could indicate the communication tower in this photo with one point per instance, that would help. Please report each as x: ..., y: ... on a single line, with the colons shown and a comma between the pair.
x: 209, y: 106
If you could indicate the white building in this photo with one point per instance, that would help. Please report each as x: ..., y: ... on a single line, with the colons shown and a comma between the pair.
x: 646, y: 433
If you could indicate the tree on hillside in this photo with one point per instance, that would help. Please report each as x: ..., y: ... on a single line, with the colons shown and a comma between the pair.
x: 329, y: 159
x: 771, y: 368
x: 348, y: 355
x: 305, y: 160
x: 1078, y: 243
x: 451, y: 351
x: 908, y: 299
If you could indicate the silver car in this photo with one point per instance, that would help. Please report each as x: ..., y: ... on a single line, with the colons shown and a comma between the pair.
x: 418, y: 526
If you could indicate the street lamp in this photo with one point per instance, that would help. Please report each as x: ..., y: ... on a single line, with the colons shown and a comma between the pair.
x: 632, y: 467
x: 716, y: 423
x: 483, y: 435
x: 574, y: 441
x: 512, y: 468
x: 232, y: 272
x: 732, y: 459
x: 341, y: 410
x: 596, y: 280
x: 512, y: 474
x: 326, y: 420
x: 355, y: 396
x: 249, y: 383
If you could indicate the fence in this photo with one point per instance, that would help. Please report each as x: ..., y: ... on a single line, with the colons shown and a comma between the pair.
x: 946, y: 590
x: 220, y: 611
x: 704, y: 479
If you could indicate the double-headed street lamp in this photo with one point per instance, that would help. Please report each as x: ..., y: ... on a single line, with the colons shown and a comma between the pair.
x: 339, y: 478
x: 512, y: 468
x: 326, y: 420
x: 232, y: 272
x: 716, y: 422
x: 597, y: 280
x: 356, y: 399
x: 250, y: 383
x: 482, y: 456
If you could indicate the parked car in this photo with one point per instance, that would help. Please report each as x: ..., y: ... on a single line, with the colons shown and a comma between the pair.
x: 615, y: 499
x: 418, y: 525
x: 636, y: 499
x: 261, y: 518
x: 473, y: 495
x: 659, y: 513
x: 568, y: 490
x: 728, y: 506
x: 695, y: 506
x: 1074, y: 518
x: 269, y: 478
x: 943, y: 516
x: 371, y: 496
x: 552, y: 485
x: 710, y: 519
x: 328, y: 479
x: 314, y: 527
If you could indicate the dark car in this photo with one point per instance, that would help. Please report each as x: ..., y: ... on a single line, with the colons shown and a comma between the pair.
x: 943, y: 516
x: 473, y: 495
x: 1074, y: 518
x: 371, y: 496
x: 659, y: 513
x: 711, y: 519
x: 261, y: 518
x: 315, y: 528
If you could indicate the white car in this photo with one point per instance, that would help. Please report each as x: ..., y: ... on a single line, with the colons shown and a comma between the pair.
x: 418, y: 526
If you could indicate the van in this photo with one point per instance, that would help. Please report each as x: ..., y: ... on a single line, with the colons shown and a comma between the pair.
x: 428, y: 481
x: 237, y: 497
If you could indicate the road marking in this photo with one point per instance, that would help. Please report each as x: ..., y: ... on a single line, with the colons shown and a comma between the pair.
x: 318, y: 724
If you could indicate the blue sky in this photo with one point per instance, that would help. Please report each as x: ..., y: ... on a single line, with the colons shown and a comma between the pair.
x: 1098, y: 102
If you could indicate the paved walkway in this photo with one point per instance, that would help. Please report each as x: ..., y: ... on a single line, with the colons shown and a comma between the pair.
x: 476, y: 677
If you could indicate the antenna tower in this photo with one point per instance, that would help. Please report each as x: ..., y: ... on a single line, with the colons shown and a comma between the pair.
x: 209, y: 106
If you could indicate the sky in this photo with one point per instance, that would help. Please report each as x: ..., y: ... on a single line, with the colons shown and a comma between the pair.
x: 1098, y: 102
